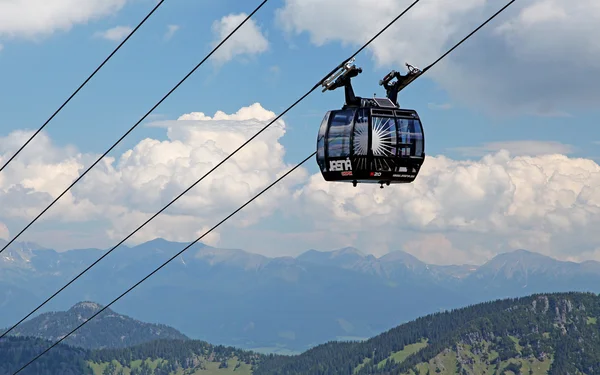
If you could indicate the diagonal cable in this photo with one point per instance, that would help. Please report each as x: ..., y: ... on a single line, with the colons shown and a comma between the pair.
x: 458, y: 44
x: 230, y: 215
x: 198, y: 181
x: 467, y: 37
x: 83, y: 84
x: 134, y: 126
x: 167, y: 262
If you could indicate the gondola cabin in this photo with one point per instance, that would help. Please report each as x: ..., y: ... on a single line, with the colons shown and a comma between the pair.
x: 377, y: 144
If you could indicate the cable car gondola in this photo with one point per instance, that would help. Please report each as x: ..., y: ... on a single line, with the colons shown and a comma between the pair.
x: 370, y: 140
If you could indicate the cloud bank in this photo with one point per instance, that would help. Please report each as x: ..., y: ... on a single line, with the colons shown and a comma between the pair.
x: 456, y: 211
x: 538, y: 57
x: 124, y: 192
x: 35, y: 18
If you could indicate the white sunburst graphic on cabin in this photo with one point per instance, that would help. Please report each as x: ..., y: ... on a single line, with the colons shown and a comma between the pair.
x: 361, y: 138
x: 382, y: 137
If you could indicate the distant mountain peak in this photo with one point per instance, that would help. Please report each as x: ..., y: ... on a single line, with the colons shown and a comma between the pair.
x: 19, y: 254
x: 523, y: 258
x: 523, y: 267
x: 401, y: 256
x: 347, y: 251
x: 108, y: 330
x: 347, y: 257
x: 232, y: 257
x: 87, y: 306
x: 157, y: 241
x: 524, y: 253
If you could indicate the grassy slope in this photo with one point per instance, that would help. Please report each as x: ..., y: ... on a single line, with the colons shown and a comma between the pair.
x: 447, y: 362
x: 212, y: 368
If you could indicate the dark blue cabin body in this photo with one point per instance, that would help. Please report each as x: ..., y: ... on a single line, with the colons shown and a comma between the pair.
x: 374, y: 143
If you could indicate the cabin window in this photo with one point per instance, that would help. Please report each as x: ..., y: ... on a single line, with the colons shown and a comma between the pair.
x: 321, y: 141
x: 418, y: 137
x: 410, y: 136
x: 340, y: 128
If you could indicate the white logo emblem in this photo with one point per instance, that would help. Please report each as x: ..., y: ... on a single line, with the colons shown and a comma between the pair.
x: 340, y: 165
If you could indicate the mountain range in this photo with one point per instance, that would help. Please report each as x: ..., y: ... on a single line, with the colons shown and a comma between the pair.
x: 232, y: 297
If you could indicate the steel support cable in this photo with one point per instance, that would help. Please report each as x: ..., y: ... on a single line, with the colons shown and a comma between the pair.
x: 241, y: 207
x: 168, y: 261
x: 468, y: 36
x: 197, y: 182
x: 135, y: 125
x: 82, y: 85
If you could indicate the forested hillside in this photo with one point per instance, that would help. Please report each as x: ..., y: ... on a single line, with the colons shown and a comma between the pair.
x: 61, y: 360
x: 168, y: 357
x: 553, y: 334
x: 163, y: 357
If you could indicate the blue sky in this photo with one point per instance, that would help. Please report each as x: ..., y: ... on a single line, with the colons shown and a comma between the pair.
x: 47, y: 71
x: 468, y: 106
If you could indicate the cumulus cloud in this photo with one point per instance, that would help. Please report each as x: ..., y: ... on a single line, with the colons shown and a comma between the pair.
x: 456, y: 211
x: 548, y: 203
x: 33, y: 18
x: 38, y: 175
x: 116, y: 34
x: 248, y: 40
x: 126, y: 190
x: 538, y: 57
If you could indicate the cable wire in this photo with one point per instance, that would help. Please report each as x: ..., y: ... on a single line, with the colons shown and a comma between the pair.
x: 168, y: 261
x: 198, y: 181
x: 245, y: 204
x: 135, y: 125
x: 468, y: 36
x: 83, y: 84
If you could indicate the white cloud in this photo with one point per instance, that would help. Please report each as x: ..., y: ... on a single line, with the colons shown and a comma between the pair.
x: 518, y: 148
x: 33, y: 18
x: 416, y: 38
x: 171, y: 30
x: 519, y: 62
x: 547, y: 203
x: 116, y: 34
x: 248, y: 40
x: 127, y: 190
x: 456, y: 211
